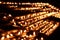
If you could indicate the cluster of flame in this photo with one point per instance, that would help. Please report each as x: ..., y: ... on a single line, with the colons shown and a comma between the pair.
x: 34, y: 22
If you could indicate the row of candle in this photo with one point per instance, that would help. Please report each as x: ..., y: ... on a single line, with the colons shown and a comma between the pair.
x: 51, y: 30
x: 47, y: 29
x: 43, y: 8
x: 57, y: 15
x: 1, y: 2
x: 35, y: 22
x: 35, y: 19
x: 36, y: 5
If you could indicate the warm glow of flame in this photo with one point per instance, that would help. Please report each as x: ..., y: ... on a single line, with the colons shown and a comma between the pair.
x: 2, y: 38
x: 35, y: 21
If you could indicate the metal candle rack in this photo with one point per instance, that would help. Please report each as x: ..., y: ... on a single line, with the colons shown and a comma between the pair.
x: 29, y: 26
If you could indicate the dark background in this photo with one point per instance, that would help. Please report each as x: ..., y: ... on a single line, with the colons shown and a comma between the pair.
x: 56, y: 3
